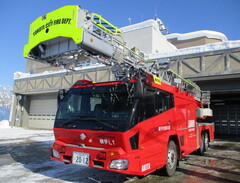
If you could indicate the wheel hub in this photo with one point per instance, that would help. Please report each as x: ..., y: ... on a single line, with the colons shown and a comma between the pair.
x: 171, y: 158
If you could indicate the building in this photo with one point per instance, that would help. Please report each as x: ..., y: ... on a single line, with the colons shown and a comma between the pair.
x: 213, y: 62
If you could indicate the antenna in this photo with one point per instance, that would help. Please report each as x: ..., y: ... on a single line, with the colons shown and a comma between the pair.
x: 129, y: 21
x: 155, y: 13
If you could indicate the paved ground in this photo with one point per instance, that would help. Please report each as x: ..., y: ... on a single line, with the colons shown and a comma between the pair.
x: 24, y: 157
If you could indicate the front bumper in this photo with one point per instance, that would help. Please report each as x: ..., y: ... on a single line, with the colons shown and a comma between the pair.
x: 111, y: 159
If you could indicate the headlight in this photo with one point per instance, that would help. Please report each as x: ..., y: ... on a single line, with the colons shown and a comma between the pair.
x: 120, y: 164
x: 56, y: 154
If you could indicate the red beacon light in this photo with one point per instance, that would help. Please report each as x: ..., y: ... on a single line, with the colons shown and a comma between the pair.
x: 81, y: 82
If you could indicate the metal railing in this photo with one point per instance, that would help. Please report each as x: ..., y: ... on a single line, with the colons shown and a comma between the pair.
x: 105, y: 25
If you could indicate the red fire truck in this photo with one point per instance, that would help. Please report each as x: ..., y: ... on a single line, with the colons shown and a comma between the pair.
x: 147, y: 118
x: 132, y: 127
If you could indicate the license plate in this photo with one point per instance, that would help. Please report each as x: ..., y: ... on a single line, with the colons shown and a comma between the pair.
x: 80, y: 158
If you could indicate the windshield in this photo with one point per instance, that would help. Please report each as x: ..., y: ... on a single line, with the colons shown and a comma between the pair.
x: 106, y: 108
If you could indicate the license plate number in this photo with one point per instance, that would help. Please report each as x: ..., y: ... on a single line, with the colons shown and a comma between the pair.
x: 80, y: 158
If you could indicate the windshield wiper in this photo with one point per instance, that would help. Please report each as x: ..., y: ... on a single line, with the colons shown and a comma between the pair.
x: 102, y: 122
x: 69, y: 122
x: 84, y: 116
x: 87, y: 118
x: 76, y: 118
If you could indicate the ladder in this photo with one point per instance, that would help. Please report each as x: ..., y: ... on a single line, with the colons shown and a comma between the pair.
x: 102, y: 41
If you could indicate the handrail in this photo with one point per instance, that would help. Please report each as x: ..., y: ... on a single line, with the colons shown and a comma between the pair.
x: 187, y: 81
x: 102, y: 21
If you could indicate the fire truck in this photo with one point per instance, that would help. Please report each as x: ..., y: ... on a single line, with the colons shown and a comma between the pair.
x: 148, y: 118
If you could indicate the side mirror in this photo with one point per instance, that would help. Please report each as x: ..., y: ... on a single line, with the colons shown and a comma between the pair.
x: 138, y: 89
x: 61, y: 94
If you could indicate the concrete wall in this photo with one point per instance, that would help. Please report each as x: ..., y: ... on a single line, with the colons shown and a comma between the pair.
x: 147, y: 39
x: 34, y: 67
x: 55, y: 81
x: 218, y: 64
x: 192, y: 42
x: 20, y: 111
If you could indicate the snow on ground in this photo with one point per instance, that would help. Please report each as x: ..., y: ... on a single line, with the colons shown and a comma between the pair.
x: 4, y: 124
x: 14, y: 134
x: 25, y: 157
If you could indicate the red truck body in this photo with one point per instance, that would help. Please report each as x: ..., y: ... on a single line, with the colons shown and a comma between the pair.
x: 143, y: 147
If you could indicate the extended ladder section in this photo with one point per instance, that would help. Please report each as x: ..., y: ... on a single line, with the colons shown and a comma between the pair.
x: 70, y: 35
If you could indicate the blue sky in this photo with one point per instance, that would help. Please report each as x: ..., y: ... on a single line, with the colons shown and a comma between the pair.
x: 179, y: 16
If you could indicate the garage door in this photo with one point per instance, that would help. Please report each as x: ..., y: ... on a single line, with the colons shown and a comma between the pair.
x: 227, y: 118
x: 42, y: 111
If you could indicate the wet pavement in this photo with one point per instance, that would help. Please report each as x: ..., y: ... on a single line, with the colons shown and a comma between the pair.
x: 221, y: 163
x: 26, y: 159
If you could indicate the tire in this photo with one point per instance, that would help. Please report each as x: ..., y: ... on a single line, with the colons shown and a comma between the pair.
x: 206, y: 141
x: 200, y: 151
x: 171, y: 159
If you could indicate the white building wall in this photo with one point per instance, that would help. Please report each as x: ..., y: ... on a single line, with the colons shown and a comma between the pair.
x: 146, y: 37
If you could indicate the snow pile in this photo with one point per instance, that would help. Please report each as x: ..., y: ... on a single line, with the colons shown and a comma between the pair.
x: 197, y: 49
x: 197, y: 34
x: 21, y: 75
x: 4, y: 124
x: 18, y: 75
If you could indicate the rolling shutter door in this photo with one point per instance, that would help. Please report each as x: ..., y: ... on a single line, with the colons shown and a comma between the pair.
x: 42, y: 111
x: 227, y: 118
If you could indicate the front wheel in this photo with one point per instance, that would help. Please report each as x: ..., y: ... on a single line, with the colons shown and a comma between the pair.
x: 172, y: 158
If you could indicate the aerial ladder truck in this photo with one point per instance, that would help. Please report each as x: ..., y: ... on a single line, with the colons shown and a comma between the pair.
x: 148, y: 118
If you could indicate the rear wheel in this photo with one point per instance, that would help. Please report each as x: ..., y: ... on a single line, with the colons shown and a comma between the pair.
x: 200, y: 151
x: 206, y: 141
x: 172, y: 158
